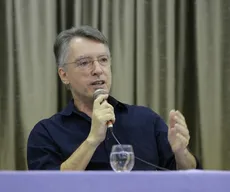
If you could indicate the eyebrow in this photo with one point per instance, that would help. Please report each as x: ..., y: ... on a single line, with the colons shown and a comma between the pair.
x: 82, y: 57
x: 89, y: 57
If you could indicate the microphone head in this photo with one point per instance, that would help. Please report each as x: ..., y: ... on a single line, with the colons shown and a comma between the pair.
x: 99, y: 92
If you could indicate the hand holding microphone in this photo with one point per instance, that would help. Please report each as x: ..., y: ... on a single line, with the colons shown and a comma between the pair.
x: 102, y: 117
x: 95, y: 96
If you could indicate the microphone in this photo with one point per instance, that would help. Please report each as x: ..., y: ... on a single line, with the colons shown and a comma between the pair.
x: 95, y: 96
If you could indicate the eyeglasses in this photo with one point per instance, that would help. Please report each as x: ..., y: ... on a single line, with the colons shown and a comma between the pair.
x: 87, y: 62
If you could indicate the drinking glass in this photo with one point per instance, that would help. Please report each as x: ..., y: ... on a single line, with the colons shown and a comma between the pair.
x: 122, y: 158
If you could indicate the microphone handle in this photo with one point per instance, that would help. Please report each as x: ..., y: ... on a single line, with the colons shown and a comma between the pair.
x: 110, y: 124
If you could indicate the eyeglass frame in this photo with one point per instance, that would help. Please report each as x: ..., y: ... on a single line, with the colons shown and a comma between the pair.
x: 91, y: 61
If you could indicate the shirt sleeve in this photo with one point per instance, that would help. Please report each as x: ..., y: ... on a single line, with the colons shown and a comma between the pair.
x: 166, y: 155
x: 42, y: 152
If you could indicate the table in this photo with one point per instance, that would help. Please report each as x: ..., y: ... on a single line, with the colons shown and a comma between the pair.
x: 170, y: 181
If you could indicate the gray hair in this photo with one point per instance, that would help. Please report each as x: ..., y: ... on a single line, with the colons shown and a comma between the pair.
x: 61, y: 44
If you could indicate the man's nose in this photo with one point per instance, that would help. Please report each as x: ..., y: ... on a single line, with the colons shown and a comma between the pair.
x: 97, y: 68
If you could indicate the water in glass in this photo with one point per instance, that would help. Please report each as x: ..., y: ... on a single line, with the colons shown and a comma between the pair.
x: 122, y: 158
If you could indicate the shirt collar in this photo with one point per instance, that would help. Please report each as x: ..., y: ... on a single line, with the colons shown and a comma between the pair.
x: 70, y: 108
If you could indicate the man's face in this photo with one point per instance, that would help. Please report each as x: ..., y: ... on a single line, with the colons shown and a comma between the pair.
x: 89, y: 69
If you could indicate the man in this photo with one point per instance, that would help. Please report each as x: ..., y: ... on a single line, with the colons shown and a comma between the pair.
x: 77, y: 138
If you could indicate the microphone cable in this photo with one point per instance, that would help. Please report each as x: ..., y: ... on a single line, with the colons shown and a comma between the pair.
x: 138, y: 158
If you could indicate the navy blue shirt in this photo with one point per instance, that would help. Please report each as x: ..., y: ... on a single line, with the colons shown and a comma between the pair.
x: 53, y: 140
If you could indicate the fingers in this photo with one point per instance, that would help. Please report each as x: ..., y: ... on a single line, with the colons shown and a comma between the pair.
x: 105, y: 105
x: 180, y: 121
x: 108, y: 117
x: 182, y: 131
x: 171, y: 118
x: 183, y: 140
x: 99, y: 100
x: 176, y: 117
x: 103, y: 111
x: 107, y: 114
x: 178, y: 124
x: 178, y: 133
x: 179, y: 114
x: 107, y: 111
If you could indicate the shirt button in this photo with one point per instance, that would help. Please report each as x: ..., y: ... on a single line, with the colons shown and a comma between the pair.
x: 107, y: 138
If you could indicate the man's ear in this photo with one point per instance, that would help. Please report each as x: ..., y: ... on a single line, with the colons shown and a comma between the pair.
x: 63, y: 75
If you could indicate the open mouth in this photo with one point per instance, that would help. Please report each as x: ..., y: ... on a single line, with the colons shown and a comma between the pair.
x: 99, y: 82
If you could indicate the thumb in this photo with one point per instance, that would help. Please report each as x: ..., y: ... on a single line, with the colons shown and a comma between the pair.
x: 172, y: 122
